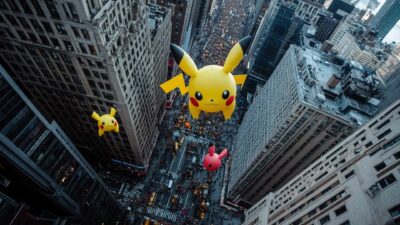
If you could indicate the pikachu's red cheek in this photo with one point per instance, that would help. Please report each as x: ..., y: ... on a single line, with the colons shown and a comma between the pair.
x: 115, y: 123
x: 194, y: 102
x: 230, y: 100
x: 101, y: 127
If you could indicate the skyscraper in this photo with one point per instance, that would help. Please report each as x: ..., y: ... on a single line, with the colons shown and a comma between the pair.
x: 339, y: 8
x: 307, y: 106
x: 386, y: 17
x: 326, y: 25
x: 77, y: 57
x: 181, y: 20
x: 356, y: 182
x: 279, y: 28
x: 41, y: 171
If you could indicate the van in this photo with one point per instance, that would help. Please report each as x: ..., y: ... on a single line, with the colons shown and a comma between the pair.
x: 170, y: 182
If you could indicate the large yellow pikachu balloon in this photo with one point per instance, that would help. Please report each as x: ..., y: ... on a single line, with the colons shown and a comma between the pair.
x: 211, y: 88
x: 106, y: 122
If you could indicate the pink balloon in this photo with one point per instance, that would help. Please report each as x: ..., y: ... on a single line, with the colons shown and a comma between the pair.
x: 212, y: 161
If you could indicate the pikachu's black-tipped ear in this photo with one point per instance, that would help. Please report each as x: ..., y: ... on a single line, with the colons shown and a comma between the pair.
x: 183, y: 60
x: 236, y: 54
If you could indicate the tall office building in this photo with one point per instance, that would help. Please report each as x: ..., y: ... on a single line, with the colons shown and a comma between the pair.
x: 76, y: 57
x: 160, y: 27
x: 279, y: 28
x: 308, y: 10
x: 356, y: 182
x: 41, y: 171
x: 182, y: 10
x: 326, y: 25
x: 308, y: 105
x: 386, y: 17
x: 388, y: 68
x: 346, y: 25
x: 352, y: 48
x: 339, y: 8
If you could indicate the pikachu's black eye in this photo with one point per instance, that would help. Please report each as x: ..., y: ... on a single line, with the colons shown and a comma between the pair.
x: 112, y: 121
x: 225, y: 94
x: 104, y: 123
x: 198, y: 95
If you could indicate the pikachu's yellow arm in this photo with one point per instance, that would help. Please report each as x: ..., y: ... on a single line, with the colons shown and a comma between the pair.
x: 95, y: 116
x: 175, y: 82
x: 240, y: 79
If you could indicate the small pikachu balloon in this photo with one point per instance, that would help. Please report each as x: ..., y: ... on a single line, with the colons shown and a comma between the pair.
x: 212, y: 88
x: 106, y: 122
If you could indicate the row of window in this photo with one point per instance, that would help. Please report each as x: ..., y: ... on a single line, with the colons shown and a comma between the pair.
x: 50, y: 41
x: 33, y: 7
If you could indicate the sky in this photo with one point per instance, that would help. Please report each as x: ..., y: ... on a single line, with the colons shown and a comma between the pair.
x: 394, y: 34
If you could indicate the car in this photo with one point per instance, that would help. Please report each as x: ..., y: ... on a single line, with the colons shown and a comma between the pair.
x: 146, y: 221
x: 152, y: 199
x: 170, y: 184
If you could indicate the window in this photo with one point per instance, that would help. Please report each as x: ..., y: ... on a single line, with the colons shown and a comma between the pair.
x: 22, y: 35
x: 325, y: 220
x: 85, y: 34
x: 76, y: 31
x: 52, y: 9
x: 386, y: 132
x: 348, y: 175
x: 26, y: 7
x: 12, y: 20
x: 397, y: 155
x: 83, y: 49
x: 395, y: 213
x: 60, y: 28
x: 368, y: 144
x: 383, y: 124
x: 23, y: 22
x: 92, y: 50
x: 39, y: 10
x: 47, y: 27
x: 380, y: 166
x: 340, y: 210
x: 12, y: 5
x: 386, y: 181
x: 68, y: 45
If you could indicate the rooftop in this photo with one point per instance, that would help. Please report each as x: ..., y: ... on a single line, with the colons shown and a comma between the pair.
x: 157, y: 15
x: 343, y: 88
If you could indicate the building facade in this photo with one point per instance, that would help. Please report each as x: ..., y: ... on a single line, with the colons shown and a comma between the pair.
x: 390, y: 65
x: 182, y: 10
x: 308, y: 10
x: 363, y: 170
x: 160, y: 27
x: 308, y: 105
x: 326, y: 25
x: 41, y: 169
x: 340, y: 8
x: 74, y: 58
x: 386, y: 17
x: 278, y: 29
x: 350, y: 49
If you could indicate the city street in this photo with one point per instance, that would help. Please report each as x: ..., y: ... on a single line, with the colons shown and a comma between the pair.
x: 176, y: 188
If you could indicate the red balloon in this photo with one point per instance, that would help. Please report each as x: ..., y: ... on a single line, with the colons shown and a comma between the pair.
x: 212, y: 161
